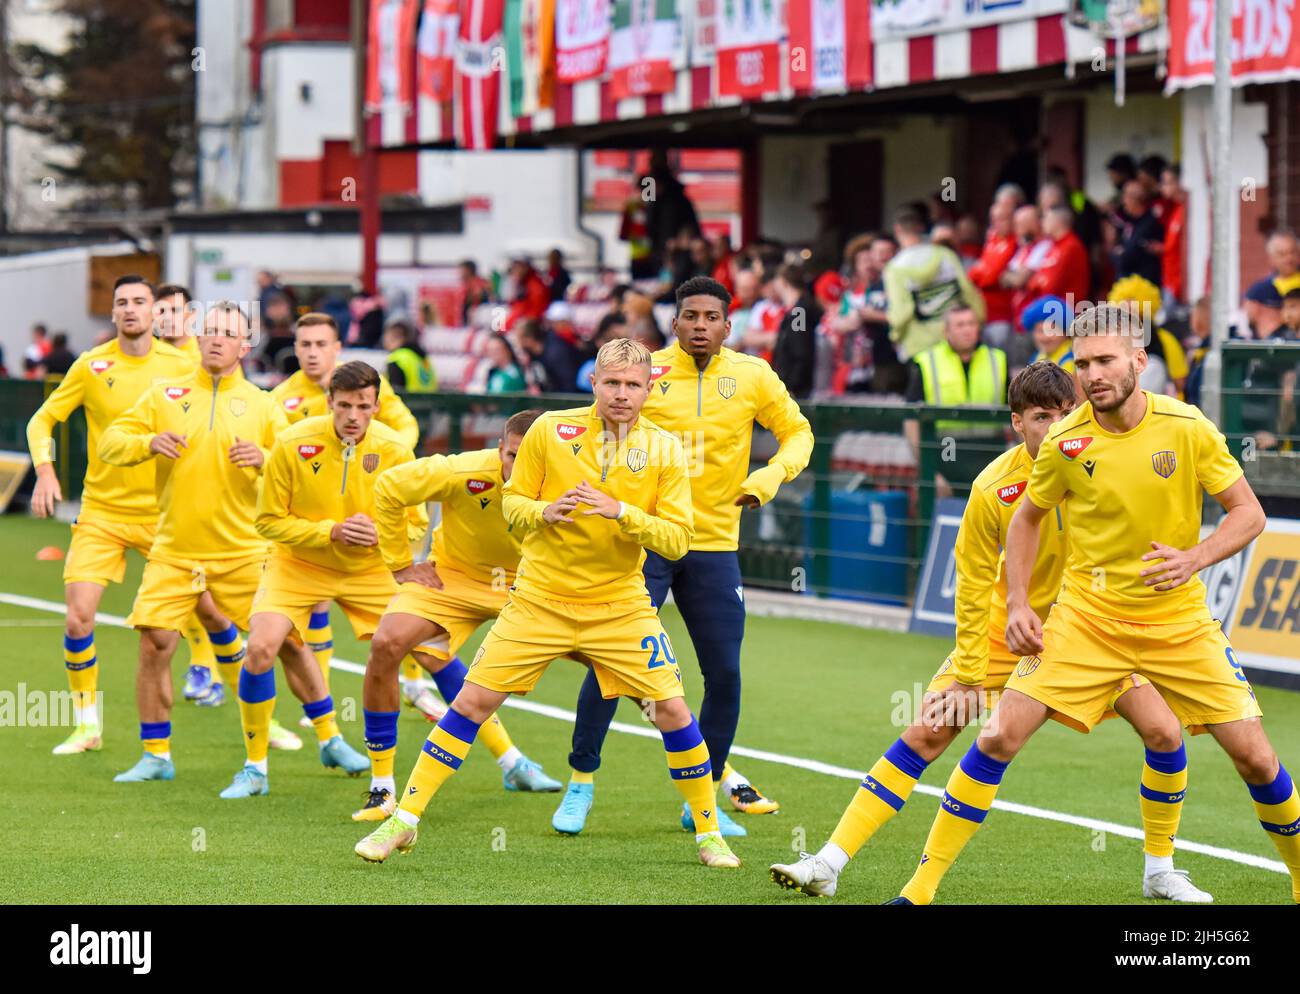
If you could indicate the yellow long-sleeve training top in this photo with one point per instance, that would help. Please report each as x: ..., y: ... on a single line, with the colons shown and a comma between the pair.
x: 981, y: 602
x: 712, y: 412
x: 595, y: 559
x: 473, y: 536
x: 302, y: 397
x: 105, y: 382
x: 314, y: 479
x: 206, y: 503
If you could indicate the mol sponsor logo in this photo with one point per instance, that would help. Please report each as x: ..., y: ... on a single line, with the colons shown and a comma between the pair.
x: 1009, y: 494
x: 568, y: 432
x: 1072, y: 447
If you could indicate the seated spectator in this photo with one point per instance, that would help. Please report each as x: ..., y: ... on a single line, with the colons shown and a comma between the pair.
x: 969, y: 242
x: 742, y: 302
x: 366, y: 320
x: 1263, y: 306
x: 794, y: 353
x: 1267, y: 403
x: 60, y: 358
x: 504, y: 374
x: 1063, y: 271
x: 613, y: 325
x: 960, y: 371
x: 408, y: 364
x: 563, y: 353
x: 557, y: 278
x: 1056, y: 191
x: 277, y: 335
x: 1136, y: 235
x: 1009, y: 196
x: 532, y: 343
x: 999, y: 246
x: 764, y: 322
x: 36, y: 351
x: 478, y: 291
x: 1048, y: 320
x: 1173, y: 252
x: 1284, y: 256
x: 530, y: 296
x: 1031, y: 248
x: 1167, y: 362
x: 863, y: 319
x: 724, y: 262
x: 1195, y: 345
x: 1290, y: 314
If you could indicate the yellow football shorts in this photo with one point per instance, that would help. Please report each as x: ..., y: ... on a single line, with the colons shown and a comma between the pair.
x: 292, y: 587
x: 458, y: 608
x: 170, y: 591
x: 624, y: 641
x: 1003, y: 662
x: 1190, y: 663
x: 97, y: 552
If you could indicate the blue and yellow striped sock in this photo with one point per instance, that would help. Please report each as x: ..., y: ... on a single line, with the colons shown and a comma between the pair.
x: 1161, y: 793
x: 83, y: 676
x: 444, y: 750
x: 321, y: 715
x: 228, y: 647
x: 256, y: 705
x: 320, y: 640
x: 157, y: 738
x: 1278, y: 807
x: 692, y: 774
x: 381, y: 742
x: 964, y: 806
x: 884, y: 791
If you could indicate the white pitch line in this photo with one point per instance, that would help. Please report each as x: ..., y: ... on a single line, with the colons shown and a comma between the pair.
x: 812, y: 765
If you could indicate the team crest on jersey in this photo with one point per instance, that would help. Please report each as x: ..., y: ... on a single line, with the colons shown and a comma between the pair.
x: 1009, y: 494
x: 238, y: 406
x: 726, y: 386
x: 99, y: 365
x: 636, y: 459
x: 476, y: 487
x: 176, y: 393
x: 310, y: 451
x: 370, y: 462
x: 1164, y: 463
x: 1027, y: 665
x: 292, y: 404
x: 568, y: 432
x: 1071, y: 447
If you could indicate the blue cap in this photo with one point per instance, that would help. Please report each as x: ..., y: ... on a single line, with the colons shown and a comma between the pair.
x: 1049, y: 308
x: 1264, y: 292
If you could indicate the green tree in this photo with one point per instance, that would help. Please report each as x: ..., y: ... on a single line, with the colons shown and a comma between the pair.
x: 119, y: 100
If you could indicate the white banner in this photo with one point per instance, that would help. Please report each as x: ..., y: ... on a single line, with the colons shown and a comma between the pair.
x: 891, y: 19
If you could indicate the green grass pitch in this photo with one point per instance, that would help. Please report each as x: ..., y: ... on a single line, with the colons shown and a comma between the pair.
x: 816, y: 691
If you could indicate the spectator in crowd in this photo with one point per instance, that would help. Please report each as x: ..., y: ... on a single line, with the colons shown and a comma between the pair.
x: 563, y: 352
x: 956, y: 372
x: 60, y: 358
x: 969, y: 242
x: 999, y: 246
x: 1283, y: 250
x: 504, y: 374
x: 409, y: 368
x: 366, y: 328
x: 557, y: 277
x: 863, y: 320
x: 532, y: 344
x: 764, y: 320
x: 1150, y: 174
x: 1291, y: 312
x: 645, y: 331
x: 1166, y: 361
x: 724, y: 262
x: 1063, y: 270
x: 1057, y: 191
x: 1263, y: 307
x: 1137, y: 235
x: 37, y: 349
x: 668, y: 210
x: 1032, y: 247
x: 1047, y: 320
x: 795, y: 351
x: 1267, y: 403
x: 269, y: 287
x: 1195, y: 345
x: 945, y: 234
x: 743, y: 298
x: 921, y: 283
x: 1120, y: 168
x: 1173, y: 251
x: 478, y: 291
x: 277, y: 329
x: 531, y: 297
x: 613, y: 325
x: 1010, y: 196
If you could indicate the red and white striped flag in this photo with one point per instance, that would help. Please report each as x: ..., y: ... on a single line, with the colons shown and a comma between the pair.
x: 581, y: 39
x: 830, y: 44
x: 390, y: 68
x: 436, y: 48
x: 480, y: 64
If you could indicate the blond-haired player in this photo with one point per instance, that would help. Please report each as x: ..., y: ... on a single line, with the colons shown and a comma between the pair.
x: 592, y: 489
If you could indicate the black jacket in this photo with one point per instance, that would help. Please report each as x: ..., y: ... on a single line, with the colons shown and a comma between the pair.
x: 795, y: 352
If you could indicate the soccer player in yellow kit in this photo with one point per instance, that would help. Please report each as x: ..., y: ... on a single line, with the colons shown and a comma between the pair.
x: 579, y: 589
x: 174, y: 319
x: 119, y: 509
x: 442, y: 602
x: 317, y: 506
x: 305, y: 394
x: 209, y: 433
x: 1133, y: 466
x: 710, y: 397
x: 980, y: 664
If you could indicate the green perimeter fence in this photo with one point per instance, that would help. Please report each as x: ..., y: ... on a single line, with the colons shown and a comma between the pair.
x: 856, y: 522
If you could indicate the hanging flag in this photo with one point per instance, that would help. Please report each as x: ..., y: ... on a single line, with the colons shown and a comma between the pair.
x: 479, y: 64
x: 644, y: 47
x: 702, y: 27
x: 749, y: 47
x: 581, y: 39
x: 546, y: 54
x: 1265, y: 43
x: 436, y: 48
x: 830, y: 44
x: 522, y: 55
x: 389, y: 67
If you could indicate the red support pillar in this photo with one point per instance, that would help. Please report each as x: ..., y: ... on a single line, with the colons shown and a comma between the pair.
x: 371, y: 216
x: 750, y: 193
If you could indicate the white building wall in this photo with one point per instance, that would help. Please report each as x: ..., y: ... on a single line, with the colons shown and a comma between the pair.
x: 302, y: 121
x: 1147, y: 124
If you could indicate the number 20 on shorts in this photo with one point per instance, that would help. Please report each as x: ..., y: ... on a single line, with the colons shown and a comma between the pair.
x: 661, y: 650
